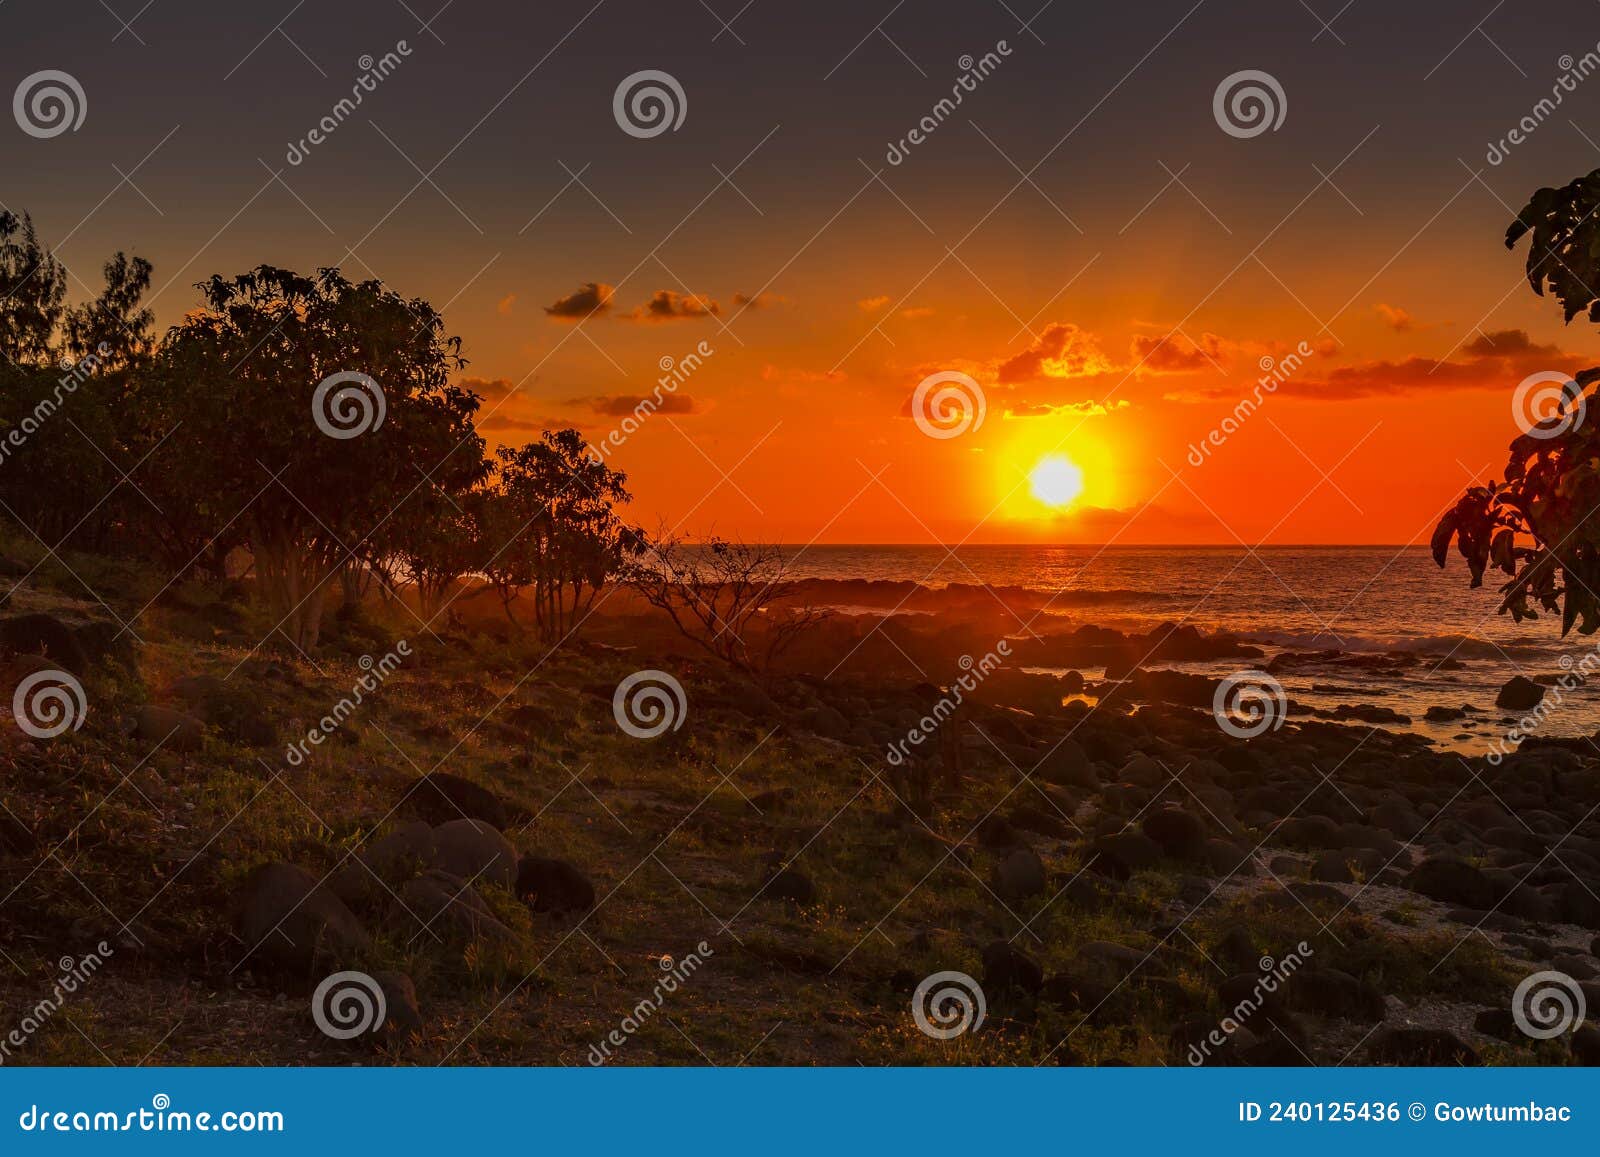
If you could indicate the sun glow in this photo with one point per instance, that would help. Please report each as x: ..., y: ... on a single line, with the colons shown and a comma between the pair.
x: 1056, y: 481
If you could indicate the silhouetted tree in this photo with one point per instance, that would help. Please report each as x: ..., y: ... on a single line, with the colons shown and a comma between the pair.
x: 1540, y: 526
x: 311, y: 469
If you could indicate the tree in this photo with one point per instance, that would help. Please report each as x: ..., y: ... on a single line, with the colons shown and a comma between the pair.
x: 307, y: 411
x: 33, y: 285
x: 726, y: 596
x: 550, y: 523
x: 1540, y: 525
x: 433, y: 541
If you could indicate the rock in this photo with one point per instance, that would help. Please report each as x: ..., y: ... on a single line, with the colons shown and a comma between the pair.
x: 172, y: 729
x: 475, y: 851
x: 1179, y: 834
x: 1420, y: 1046
x: 1008, y: 969
x: 1444, y: 714
x: 288, y: 919
x: 553, y: 886
x: 1120, y: 855
x: 1330, y: 992
x: 1576, y: 967
x: 1068, y: 766
x: 1453, y: 881
x: 792, y: 885
x: 1519, y: 694
x: 1142, y: 771
x: 445, y: 902
x: 1586, y: 1045
x: 403, y: 1015
x: 402, y: 853
x: 41, y: 634
x: 1018, y: 876
x: 1498, y: 1022
x: 440, y: 797
x: 828, y: 722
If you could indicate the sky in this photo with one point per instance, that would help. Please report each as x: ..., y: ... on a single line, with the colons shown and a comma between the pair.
x: 1082, y: 237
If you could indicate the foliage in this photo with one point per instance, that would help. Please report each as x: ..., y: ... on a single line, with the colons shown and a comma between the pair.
x: 1539, y: 525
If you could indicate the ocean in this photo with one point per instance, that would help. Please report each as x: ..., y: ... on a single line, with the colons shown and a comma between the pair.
x: 1408, y: 635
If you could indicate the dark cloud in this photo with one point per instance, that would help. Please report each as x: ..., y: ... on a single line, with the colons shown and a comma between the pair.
x: 670, y: 305
x: 590, y: 300
x: 1062, y: 351
x: 761, y: 300
x: 621, y: 405
x: 1175, y: 353
x: 489, y: 389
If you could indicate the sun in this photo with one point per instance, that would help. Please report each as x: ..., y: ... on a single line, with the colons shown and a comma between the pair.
x: 1056, y: 480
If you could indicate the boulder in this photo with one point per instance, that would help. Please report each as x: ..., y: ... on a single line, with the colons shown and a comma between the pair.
x: 1121, y: 854
x: 1420, y: 1046
x: 448, y: 903
x: 1519, y: 694
x: 440, y: 797
x: 553, y: 886
x: 1453, y: 881
x: 403, y: 1016
x: 1008, y: 969
x: 1180, y: 834
x: 475, y: 851
x: 1018, y: 876
x: 1330, y: 992
x: 172, y: 729
x: 288, y: 919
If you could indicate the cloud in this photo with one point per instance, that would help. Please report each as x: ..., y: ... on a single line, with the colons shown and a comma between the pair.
x: 1489, y: 362
x: 670, y: 305
x: 1046, y: 410
x: 762, y: 300
x: 872, y: 304
x: 794, y: 375
x: 505, y: 303
x: 590, y: 300
x: 1176, y: 353
x: 620, y: 405
x: 489, y: 389
x: 1395, y: 318
x: 1062, y: 351
x: 507, y: 422
x: 917, y: 312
